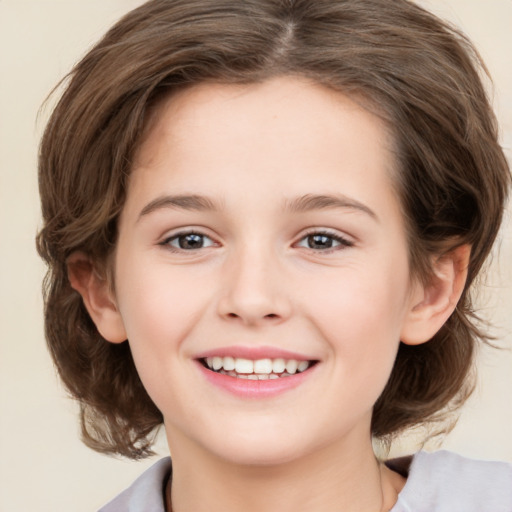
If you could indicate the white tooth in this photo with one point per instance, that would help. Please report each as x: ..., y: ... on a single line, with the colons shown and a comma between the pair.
x: 228, y: 364
x: 273, y: 376
x: 209, y: 362
x: 285, y: 374
x: 244, y: 366
x: 217, y: 363
x: 303, y: 365
x: 232, y: 374
x: 278, y: 365
x: 263, y: 376
x: 252, y: 376
x: 263, y: 366
x: 242, y: 376
x: 291, y: 366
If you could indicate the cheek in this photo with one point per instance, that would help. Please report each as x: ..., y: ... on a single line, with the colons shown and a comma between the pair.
x: 159, y: 305
x: 359, y: 301
x: 158, y: 317
x: 361, y: 318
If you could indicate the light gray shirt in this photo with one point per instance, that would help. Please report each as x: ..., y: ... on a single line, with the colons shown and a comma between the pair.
x: 437, y: 482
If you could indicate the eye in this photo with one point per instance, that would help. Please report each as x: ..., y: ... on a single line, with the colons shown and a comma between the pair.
x: 324, y: 242
x: 189, y: 241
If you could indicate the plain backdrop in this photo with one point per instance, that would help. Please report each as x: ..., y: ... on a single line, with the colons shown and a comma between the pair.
x: 43, y: 465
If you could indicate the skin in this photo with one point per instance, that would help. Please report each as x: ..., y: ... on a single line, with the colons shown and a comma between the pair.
x: 256, y: 279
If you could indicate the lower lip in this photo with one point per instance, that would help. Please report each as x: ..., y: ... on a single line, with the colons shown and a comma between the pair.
x: 247, y: 388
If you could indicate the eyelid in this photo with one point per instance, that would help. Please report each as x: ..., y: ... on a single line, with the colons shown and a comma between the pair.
x: 165, y: 242
x: 344, y: 241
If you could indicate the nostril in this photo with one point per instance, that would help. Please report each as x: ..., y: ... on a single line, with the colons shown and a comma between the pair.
x: 270, y: 315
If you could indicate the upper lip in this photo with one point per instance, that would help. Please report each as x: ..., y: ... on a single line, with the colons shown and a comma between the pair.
x: 254, y: 353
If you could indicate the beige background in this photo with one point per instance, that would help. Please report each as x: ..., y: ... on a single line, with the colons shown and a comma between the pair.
x: 43, y: 465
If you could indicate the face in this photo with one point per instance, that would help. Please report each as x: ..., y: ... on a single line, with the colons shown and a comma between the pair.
x: 261, y: 271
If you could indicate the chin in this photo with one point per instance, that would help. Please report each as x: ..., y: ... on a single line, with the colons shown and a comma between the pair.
x: 260, y: 457
x: 254, y: 449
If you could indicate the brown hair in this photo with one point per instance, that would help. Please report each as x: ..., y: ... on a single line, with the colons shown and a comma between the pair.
x: 419, y: 73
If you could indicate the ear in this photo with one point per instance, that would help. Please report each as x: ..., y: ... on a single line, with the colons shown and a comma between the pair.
x: 97, y: 296
x: 433, y: 303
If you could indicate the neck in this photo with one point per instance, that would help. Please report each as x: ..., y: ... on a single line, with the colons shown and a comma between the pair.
x: 347, y: 478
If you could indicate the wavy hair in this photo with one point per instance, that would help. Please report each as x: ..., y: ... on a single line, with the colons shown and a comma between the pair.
x: 419, y: 74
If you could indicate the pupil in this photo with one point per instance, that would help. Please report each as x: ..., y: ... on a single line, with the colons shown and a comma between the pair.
x: 191, y: 241
x: 319, y: 241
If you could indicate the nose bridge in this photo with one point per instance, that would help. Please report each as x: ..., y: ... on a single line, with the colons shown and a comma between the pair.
x: 254, y: 289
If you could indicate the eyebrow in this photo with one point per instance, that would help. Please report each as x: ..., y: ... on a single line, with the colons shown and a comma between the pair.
x: 300, y: 204
x: 310, y: 202
x: 180, y: 202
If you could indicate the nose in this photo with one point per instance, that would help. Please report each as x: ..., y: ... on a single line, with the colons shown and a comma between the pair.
x: 253, y: 291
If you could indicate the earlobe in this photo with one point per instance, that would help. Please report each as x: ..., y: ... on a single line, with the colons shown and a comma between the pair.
x: 97, y: 297
x: 432, y: 304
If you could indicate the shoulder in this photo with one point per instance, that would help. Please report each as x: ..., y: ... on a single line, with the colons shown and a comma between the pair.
x: 146, y: 494
x: 447, y: 482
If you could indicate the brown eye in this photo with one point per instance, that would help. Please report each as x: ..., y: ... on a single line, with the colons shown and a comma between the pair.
x: 320, y: 242
x: 324, y: 242
x: 188, y: 241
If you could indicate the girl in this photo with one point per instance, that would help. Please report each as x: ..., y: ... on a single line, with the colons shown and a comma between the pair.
x: 263, y: 220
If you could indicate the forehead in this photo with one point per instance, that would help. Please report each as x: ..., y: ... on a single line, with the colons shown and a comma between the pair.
x: 284, y: 133
x: 285, y: 103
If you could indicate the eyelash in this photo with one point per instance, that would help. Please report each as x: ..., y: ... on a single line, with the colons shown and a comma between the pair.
x: 167, y: 242
x: 341, y: 241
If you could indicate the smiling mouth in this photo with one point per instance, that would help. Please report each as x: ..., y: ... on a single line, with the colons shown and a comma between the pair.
x: 260, y: 369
